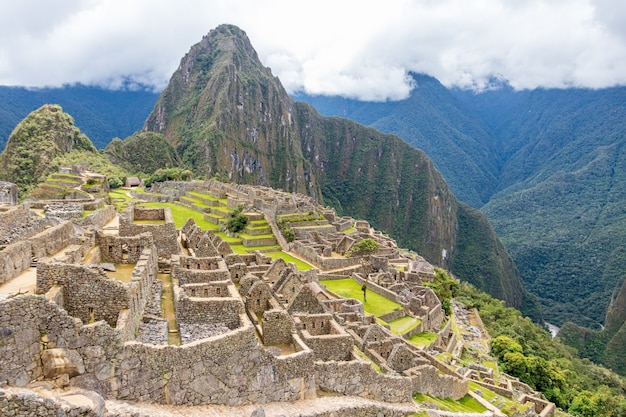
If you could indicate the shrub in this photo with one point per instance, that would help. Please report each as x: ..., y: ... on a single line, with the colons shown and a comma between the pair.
x: 115, y: 182
x: 236, y: 220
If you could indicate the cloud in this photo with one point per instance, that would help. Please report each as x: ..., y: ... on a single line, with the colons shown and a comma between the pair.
x: 360, y: 49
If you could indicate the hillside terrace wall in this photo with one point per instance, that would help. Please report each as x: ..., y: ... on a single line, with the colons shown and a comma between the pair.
x: 358, y: 378
x: 227, y: 369
x: 88, y: 204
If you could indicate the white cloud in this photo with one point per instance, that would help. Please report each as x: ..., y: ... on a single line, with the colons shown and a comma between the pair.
x: 356, y: 48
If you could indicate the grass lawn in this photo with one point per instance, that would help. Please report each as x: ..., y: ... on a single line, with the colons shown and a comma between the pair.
x: 509, y: 406
x: 423, y: 339
x: 207, y: 197
x: 301, y: 265
x: 349, y: 288
x: 240, y: 248
x: 182, y: 213
x: 404, y: 324
x: 467, y: 404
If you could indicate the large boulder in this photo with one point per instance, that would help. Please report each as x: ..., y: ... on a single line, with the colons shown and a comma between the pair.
x: 60, y: 361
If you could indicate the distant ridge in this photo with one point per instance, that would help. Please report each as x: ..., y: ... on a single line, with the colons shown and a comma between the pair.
x: 101, y: 114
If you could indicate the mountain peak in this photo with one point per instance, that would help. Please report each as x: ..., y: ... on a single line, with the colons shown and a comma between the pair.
x: 43, y: 135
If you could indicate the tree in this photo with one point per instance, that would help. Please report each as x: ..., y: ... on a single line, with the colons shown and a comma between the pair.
x: 502, y: 345
x: 115, y: 182
x: 236, y: 220
x: 363, y: 247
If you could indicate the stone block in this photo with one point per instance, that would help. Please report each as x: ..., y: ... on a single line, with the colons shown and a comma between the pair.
x: 61, y: 361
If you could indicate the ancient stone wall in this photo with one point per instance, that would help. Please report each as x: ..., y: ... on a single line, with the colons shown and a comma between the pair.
x: 122, y: 250
x: 52, y: 240
x: 278, y: 327
x: 14, y: 259
x: 8, y: 193
x: 98, y: 218
x: 64, y: 211
x: 24, y: 321
x: 164, y: 235
x: 310, y: 255
x: 226, y: 311
x: 226, y: 369
x: 89, y: 292
x: 11, y: 218
x: 88, y: 204
x: 428, y: 380
x: 212, y: 289
x: 358, y: 378
x: 22, y: 402
x: 194, y: 276
x: 210, y: 263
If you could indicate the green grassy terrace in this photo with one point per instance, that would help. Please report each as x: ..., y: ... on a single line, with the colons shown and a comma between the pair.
x: 349, y: 288
x: 467, y: 404
x: 403, y: 324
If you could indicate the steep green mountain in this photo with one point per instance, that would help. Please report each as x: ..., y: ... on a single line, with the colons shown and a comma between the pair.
x: 143, y: 152
x: 37, y: 140
x: 226, y: 114
x: 434, y: 120
x: 562, y: 192
x: 100, y: 113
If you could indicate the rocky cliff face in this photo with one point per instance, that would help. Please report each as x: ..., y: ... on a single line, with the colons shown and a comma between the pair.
x: 43, y: 135
x: 226, y: 114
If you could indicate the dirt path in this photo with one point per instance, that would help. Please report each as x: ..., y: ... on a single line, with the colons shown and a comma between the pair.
x: 302, y: 408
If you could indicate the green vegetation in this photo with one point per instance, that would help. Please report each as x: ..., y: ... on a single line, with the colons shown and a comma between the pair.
x: 363, y: 247
x: 403, y: 324
x: 467, y: 404
x: 181, y: 213
x: 144, y: 152
x: 444, y: 287
x: 300, y: 264
x: 423, y: 339
x: 349, y: 288
x: 168, y: 174
x: 527, y: 351
x: 236, y: 221
x: 43, y: 135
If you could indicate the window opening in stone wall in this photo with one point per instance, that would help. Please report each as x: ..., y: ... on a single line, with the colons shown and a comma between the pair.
x: 92, y: 315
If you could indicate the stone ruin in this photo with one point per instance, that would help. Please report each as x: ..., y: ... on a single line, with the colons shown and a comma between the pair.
x: 8, y: 193
x: 246, y: 329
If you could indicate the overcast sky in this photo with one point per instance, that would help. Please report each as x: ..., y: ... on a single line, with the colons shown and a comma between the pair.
x: 356, y: 48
